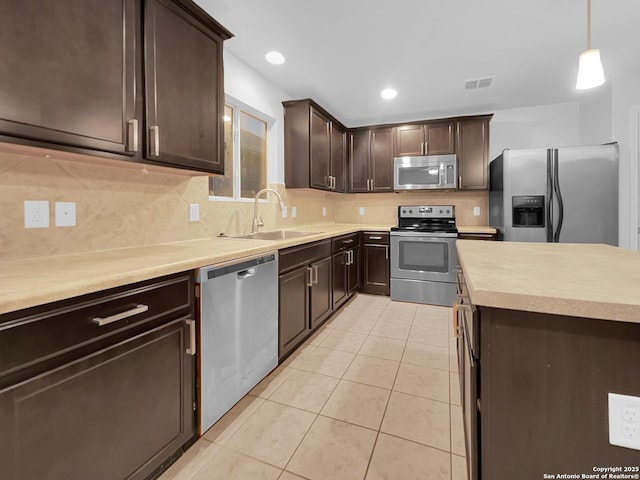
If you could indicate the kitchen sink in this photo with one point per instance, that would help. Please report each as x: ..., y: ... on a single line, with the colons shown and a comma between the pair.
x: 275, y: 235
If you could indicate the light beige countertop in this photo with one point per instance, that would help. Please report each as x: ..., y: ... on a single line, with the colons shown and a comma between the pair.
x: 35, y: 281
x: 476, y: 229
x: 582, y: 280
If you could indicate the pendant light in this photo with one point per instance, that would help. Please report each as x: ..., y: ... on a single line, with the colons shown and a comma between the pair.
x: 590, y: 73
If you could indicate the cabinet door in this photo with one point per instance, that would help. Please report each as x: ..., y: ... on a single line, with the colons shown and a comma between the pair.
x: 339, y: 278
x: 338, y: 158
x: 320, y: 150
x: 440, y: 138
x: 184, y: 89
x: 359, y: 161
x: 473, y: 154
x: 293, y: 324
x: 67, y: 74
x: 115, y: 414
x: 353, y: 271
x: 376, y: 269
x: 382, y: 160
x: 409, y: 141
x: 321, y: 306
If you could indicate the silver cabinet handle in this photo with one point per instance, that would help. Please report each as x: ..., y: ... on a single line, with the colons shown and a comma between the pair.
x: 192, y: 337
x: 350, y: 240
x: 460, y: 181
x: 375, y: 238
x: 346, y: 259
x: 373, y: 184
x: 333, y: 183
x: 315, y: 274
x: 327, y: 182
x: 120, y: 316
x: 155, y: 141
x: 386, y: 252
x: 132, y: 135
x: 310, y: 274
x: 426, y: 147
x: 350, y: 257
x: 422, y: 148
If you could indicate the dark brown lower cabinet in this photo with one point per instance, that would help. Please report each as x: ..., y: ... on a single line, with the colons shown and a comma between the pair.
x: 375, y: 264
x: 321, y: 305
x: 535, y: 391
x: 118, y: 405
x: 305, y: 292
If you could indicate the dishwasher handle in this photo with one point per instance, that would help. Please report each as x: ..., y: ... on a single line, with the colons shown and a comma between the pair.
x: 249, y: 272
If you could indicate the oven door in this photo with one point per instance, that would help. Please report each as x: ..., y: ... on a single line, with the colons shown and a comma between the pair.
x: 418, y: 256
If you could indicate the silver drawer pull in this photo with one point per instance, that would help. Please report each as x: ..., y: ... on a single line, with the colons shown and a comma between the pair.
x: 120, y: 316
x: 154, y: 141
x: 348, y: 241
x: 192, y: 337
x: 375, y: 238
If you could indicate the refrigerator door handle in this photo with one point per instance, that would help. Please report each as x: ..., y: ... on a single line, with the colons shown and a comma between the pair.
x: 556, y: 188
x: 549, y: 222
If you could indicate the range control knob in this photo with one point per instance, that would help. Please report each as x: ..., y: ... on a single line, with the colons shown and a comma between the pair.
x: 440, y: 211
x: 410, y: 211
x: 404, y: 211
x: 448, y: 211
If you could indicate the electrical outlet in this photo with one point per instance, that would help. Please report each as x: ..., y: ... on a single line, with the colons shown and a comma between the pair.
x: 284, y: 212
x: 476, y: 211
x: 361, y: 211
x: 36, y: 214
x: 324, y: 211
x: 65, y: 214
x: 624, y: 421
x: 194, y: 212
x: 293, y: 212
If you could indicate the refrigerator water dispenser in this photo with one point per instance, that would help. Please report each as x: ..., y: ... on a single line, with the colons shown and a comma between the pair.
x: 528, y: 211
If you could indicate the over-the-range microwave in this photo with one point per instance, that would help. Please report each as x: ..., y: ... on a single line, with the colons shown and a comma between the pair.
x: 425, y: 172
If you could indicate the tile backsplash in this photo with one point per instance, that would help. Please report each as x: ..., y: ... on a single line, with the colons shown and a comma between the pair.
x: 122, y: 206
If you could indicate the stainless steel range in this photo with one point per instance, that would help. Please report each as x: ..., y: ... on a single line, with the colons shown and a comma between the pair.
x: 423, y: 255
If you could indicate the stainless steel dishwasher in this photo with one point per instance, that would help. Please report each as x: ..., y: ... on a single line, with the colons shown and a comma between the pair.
x: 238, y: 331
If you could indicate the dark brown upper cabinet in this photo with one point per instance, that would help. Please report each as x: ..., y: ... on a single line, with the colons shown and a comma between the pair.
x: 314, y: 147
x: 433, y: 138
x: 473, y: 153
x: 371, y: 160
x: 68, y: 73
x: 184, y: 86
x: 73, y: 71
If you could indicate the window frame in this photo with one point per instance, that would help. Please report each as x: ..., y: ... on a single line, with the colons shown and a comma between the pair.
x: 237, y: 106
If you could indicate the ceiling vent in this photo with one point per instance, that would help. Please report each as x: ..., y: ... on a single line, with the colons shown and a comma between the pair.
x: 476, y: 83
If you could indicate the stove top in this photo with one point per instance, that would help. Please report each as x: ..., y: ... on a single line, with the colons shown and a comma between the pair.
x: 434, y: 219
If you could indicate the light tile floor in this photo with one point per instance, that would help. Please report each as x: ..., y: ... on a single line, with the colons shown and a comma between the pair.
x: 372, y: 395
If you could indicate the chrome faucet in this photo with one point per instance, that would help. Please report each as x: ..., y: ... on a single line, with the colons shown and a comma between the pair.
x: 257, y: 224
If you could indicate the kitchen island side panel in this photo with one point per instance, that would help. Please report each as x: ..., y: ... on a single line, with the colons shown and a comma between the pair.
x: 544, y: 385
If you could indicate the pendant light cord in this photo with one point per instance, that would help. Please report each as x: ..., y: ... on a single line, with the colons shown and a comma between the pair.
x: 588, y: 24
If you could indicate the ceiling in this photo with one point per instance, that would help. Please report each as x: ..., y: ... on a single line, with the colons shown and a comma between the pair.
x: 342, y: 53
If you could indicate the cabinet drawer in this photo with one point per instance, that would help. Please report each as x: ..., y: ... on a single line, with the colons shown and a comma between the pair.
x: 347, y: 241
x: 379, y: 238
x: 29, y: 337
x: 304, y: 254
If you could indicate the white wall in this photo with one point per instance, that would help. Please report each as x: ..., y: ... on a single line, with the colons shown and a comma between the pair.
x: 248, y: 86
x: 626, y: 95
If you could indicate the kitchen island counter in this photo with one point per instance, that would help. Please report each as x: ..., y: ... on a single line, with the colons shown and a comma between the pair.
x: 581, y: 280
x: 35, y: 281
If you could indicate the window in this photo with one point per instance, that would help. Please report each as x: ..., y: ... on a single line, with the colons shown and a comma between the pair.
x: 245, y: 153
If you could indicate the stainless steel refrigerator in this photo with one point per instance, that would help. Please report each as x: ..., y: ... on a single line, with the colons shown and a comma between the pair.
x: 567, y: 195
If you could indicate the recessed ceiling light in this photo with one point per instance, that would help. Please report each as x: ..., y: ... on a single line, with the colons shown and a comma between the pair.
x: 388, y: 93
x: 275, y: 58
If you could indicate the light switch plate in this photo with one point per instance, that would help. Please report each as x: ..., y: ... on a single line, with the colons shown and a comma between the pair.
x: 284, y: 212
x: 476, y: 211
x: 624, y: 421
x: 293, y: 212
x: 36, y: 214
x: 324, y: 211
x: 194, y: 212
x: 65, y: 214
x: 361, y: 211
